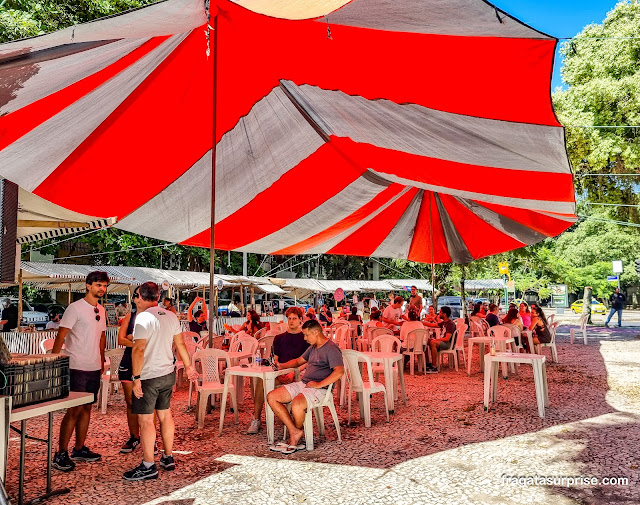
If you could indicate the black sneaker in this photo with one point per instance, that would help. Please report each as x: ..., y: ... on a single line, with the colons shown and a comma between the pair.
x: 62, y: 462
x: 130, y: 445
x: 141, y: 472
x: 168, y: 463
x: 85, y: 454
x: 431, y: 369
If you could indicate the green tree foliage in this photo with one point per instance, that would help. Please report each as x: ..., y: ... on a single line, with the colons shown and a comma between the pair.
x: 602, y: 71
x: 27, y: 18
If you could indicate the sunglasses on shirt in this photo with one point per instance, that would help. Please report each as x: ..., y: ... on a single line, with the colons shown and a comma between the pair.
x: 95, y: 309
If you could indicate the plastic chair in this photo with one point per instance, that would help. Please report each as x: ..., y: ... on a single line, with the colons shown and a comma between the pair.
x: 554, y: 351
x: 46, y: 346
x: 583, y: 328
x: 342, y: 337
x: 415, y: 350
x: 262, y: 332
x: 363, y: 389
x: 190, y: 336
x: 453, y: 350
x: 386, y: 343
x: 316, y: 408
x: 211, y: 384
x: 266, y: 344
x: 376, y: 332
x: 110, y: 379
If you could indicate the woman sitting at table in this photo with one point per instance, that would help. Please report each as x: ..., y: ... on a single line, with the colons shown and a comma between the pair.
x: 540, y: 327
x: 477, y: 311
x: 311, y: 314
x: 430, y: 316
x: 525, y: 314
x: 354, y: 316
x: 413, y: 323
x: 512, y: 319
x: 250, y: 326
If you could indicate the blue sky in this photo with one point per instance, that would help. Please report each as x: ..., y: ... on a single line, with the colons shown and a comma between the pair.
x: 560, y: 18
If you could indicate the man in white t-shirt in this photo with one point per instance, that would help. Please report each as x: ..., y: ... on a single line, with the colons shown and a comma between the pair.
x: 82, y: 331
x: 156, y: 330
x: 392, y: 315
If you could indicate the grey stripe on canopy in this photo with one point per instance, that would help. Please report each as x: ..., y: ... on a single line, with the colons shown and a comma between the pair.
x: 422, y: 131
x: 469, y: 18
x: 330, y: 212
x: 53, y: 75
x: 52, y: 141
x: 508, y: 226
x: 265, y: 144
x: 455, y: 245
x: 398, y: 242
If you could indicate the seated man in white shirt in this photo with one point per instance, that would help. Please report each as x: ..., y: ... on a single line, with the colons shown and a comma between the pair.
x: 392, y: 315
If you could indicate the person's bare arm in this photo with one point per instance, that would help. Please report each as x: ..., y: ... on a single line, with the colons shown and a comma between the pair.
x: 103, y: 346
x: 204, y: 309
x: 190, y: 309
x: 334, y: 376
x: 57, y: 345
x: 184, y: 356
x: 293, y: 363
x: 137, y: 362
x: 123, y: 338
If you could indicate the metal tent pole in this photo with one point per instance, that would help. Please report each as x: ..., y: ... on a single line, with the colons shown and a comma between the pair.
x: 213, y: 178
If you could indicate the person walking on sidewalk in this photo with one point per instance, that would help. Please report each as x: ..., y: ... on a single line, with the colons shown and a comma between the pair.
x: 82, y: 331
x: 617, y: 300
x: 155, y: 331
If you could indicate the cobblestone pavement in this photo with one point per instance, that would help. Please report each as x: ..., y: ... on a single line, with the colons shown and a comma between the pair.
x: 441, y: 448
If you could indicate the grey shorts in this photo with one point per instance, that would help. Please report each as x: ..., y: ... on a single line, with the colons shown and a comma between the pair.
x: 156, y: 395
x: 444, y: 346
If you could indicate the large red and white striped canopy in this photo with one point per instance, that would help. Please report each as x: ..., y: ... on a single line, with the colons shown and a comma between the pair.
x: 419, y: 129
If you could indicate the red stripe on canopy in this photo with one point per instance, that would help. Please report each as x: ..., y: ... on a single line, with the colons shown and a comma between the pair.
x: 288, y: 197
x: 366, y: 239
x: 498, y: 78
x: 159, y: 113
x: 346, y: 223
x: 481, y: 238
x: 428, y: 230
x: 541, y: 223
x: 18, y: 123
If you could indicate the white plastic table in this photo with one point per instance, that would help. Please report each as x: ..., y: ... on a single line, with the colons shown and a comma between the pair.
x: 268, y: 376
x: 22, y: 414
x: 388, y: 359
x: 539, y: 376
x: 501, y: 345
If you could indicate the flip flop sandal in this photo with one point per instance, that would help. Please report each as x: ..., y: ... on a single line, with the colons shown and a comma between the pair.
x: 290, y: 449
x: 279, y: 447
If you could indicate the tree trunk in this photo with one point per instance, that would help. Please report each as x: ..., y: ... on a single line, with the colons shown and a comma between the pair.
x: 586, y: 306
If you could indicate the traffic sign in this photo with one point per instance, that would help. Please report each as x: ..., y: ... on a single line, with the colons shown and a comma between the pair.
x: 617, y: 267
x: 612, y: 278
x: 338, y: 295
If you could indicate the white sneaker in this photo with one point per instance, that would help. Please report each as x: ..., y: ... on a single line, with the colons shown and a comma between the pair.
x: 254, y: 427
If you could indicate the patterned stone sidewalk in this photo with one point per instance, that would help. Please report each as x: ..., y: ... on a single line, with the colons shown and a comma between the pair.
x: 441, y: 448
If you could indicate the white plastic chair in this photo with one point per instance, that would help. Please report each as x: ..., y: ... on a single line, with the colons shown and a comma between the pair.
x: 583, y: 328
x: 46, y: 346
x: 316, y: 409
x: 554, y: 351
x: 342, y: 336
x: 109, y: 379
x: 415, y: 349
x: 379, y: 331
x: 262, y: 332
x: 211, y: 384
x: 363, y: 389
x: 386, y: 343
x: 461, y: 330
x: 245, y: 344
x: 266, y: 344
x: 453, y: 350
x: 190, y: 336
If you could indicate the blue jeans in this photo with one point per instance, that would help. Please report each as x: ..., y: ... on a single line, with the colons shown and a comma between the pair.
x: 613, y: 311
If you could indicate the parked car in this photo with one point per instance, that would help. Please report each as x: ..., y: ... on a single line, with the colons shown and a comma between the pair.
x: 596, y: 307
x: 453, y: 302
x: 29, y: 315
